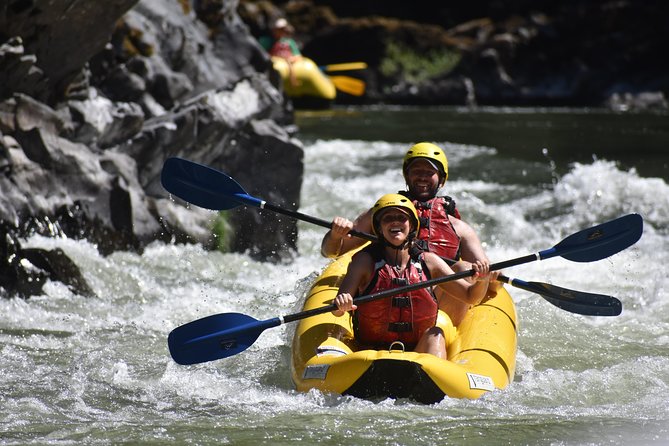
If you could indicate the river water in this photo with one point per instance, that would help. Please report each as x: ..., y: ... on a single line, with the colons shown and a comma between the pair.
x: 78, y: 370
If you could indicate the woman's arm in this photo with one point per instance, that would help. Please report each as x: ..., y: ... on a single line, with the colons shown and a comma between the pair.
x: 460, y: 289
x: 337, y: 241
x: 357, y: 277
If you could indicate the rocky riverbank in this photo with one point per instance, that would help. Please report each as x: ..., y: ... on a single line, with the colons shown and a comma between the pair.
x: 94, y: 97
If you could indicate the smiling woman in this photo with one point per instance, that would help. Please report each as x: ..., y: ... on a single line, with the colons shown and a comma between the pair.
x: 407, y: 320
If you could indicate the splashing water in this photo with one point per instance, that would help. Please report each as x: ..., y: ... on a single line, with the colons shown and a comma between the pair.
x: 97, y: 370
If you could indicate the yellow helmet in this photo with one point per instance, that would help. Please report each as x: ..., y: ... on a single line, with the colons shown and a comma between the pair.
x: 395, y: 201
x: 432, y: 153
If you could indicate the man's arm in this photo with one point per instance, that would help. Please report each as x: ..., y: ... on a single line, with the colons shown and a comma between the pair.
x: 471, y: 249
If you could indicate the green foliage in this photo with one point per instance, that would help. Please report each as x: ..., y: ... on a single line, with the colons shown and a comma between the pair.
x: 402, y: 61
x: 222, y: 232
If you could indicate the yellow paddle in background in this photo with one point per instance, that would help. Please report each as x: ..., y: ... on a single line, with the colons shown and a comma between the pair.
x: 350, y: 85
x: 347, y: 84
x: 348, y: 66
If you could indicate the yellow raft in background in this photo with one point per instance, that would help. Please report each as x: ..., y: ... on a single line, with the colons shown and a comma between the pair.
x: 310, y: 81
x: 481, y: 352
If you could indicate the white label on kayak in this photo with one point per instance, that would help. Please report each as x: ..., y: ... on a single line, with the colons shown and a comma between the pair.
x: 329, y: 350
x: 319, y: 371
x: 480, y: 382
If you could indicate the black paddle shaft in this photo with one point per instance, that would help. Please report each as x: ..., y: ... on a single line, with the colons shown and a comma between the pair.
x: 385, y: 293
x: 315, y: 220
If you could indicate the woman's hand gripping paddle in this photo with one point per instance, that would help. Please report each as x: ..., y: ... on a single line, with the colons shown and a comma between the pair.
x: 223, y: 335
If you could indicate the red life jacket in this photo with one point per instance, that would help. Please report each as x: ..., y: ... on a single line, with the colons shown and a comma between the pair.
x: 398, y: 318
x: 437, y: 233
x: 284, y: 47
x: 281, y: 49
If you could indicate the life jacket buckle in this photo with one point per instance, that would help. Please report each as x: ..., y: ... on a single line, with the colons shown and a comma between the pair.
x: 401, y: 301
x: 396, y: 345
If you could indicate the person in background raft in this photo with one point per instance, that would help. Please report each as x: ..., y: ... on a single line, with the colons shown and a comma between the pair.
x: 393, y: 262
x: 285, y: 46
x: 442, y: 232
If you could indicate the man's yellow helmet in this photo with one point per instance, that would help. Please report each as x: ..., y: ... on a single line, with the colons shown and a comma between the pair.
x: 432, y: 153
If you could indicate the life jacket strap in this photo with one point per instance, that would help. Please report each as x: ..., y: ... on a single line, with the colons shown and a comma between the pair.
x: 400, y: 327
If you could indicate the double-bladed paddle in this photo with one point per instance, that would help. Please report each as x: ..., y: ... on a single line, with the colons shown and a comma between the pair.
x: 212, y: 189
x: 223, y: 335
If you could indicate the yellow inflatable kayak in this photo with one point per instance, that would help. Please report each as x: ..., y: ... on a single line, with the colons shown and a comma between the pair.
x: 309, y: 80
x: 481, y: 352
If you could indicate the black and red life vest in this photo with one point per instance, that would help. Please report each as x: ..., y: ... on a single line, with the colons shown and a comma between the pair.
x: 401, y: 318
x: 437, y: 233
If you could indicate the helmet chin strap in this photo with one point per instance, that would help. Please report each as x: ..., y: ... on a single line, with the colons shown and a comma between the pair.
x: 390, y: 245
x: 402, y: 245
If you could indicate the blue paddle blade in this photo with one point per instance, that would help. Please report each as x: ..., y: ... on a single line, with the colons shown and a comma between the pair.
x: 579, y: 302
x: 587, y: 304
x: 213, y: 337
x: 203, y: 186
x: 599, y: 242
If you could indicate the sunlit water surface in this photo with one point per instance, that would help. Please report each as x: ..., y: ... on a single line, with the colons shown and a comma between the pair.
x: 79, y: 370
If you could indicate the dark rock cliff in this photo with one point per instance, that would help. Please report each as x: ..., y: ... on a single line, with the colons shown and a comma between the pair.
x: 94, y: 96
